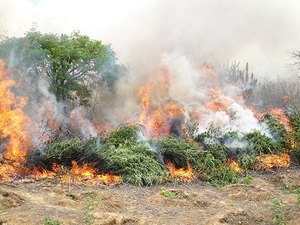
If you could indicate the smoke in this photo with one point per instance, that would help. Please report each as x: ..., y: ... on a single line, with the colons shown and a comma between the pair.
x: 166, y: 40
x: 260, y: 32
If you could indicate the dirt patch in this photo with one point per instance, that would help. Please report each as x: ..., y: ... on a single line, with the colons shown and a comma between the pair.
x: 194, y: 204
x: 247, y: 193
x: 9, y: 200
x: 182, y: 198
x: 243, y: 218
x: 288, y: 181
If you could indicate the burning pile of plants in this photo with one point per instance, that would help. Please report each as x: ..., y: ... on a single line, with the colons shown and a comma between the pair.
x: 193, y: 123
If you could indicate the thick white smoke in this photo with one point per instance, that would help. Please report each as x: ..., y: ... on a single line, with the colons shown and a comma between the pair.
x: 178, y: 35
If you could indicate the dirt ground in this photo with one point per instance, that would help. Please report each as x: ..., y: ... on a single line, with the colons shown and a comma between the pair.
x: 196, y: 203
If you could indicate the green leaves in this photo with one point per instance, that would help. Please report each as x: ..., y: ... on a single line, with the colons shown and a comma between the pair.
x: 73, y: 63
x: 179, y: 152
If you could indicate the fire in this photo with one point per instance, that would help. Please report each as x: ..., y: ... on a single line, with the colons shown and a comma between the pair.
x: 144, y: 92
x: 12, y: 118
x: 258, y: 115
x: 272, y: 161
x: 181, y: 174
x: 43, y: 174
x: 235, y: 166
x: 282, y: 118
x: 83, y: 174
x: 156, y: 119
x: 84, y: 170
x: 157, y: 122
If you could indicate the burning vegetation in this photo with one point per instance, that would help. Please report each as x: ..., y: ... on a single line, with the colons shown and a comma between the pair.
x: 193, y: 122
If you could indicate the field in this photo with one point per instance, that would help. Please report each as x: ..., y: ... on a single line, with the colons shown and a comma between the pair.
x: 248, y: 202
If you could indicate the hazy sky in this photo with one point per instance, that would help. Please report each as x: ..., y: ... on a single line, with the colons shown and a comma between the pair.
x: 261, y: 32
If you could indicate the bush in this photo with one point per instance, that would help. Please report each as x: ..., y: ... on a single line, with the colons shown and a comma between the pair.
x: 215, y: 172
x: 278, y: 131
x: 125, y: 135
x: 261, y: 144
x: 219, y: 152
x: 295, y: 121
x: 136, y: 164
x: 63, y: 152
x: 51, y: 221
x: 247, y: 161
x: 179, y: 152
x: 295, y: 156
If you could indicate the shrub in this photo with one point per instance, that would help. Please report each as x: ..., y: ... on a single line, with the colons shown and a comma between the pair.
x: 277, y: 208
x: 216, y: 172
x: 137, y: 164
x: 179, y: 152
x: 295, y: 156
x: 63, y: 152
x: 261, y: 144
x: 247, y: 161
x: 168, y: 194
x: 51, y: 221
x: 125, y: 135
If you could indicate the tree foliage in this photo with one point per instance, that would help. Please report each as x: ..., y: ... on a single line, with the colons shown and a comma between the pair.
x: 72, y: 64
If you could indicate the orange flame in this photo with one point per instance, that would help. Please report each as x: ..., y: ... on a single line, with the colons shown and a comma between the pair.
x: 157, y: 122
x: 234, y: 165
x: 181, y: 174
x: 258, y: 115
x: 77, y: 174
x: 273, y: 161
x: 12, y: 118
x: 144, y: 92
x: 282, y: 118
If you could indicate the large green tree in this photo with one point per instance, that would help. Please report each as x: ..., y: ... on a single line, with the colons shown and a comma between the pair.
x: 72, y: 64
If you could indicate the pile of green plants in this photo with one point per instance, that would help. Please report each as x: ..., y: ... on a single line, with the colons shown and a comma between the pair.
x: 179, y: 151
x: 120, y: 152
x: 136, y: 164
x: 142, y: 162
x: 215, y: 171
x: 64, y: 152
x: 295, y: 121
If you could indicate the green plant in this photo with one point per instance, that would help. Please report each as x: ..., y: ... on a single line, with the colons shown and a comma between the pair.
x: 71, y: 63
x: 179, y: 152
x: 88, y: 210
x: 51, y: 221
x: 261, y: 144
x: 168, y: 194
x: 298, y: 195
x: 295, y: 155
x: 216, y: 172
x: 247, y: 161
x: 63, y: 152
x: 247, y: 180
x: 295, y: 121
x: 136, y: 164
x: 125, y: 135
x: 277, y: 207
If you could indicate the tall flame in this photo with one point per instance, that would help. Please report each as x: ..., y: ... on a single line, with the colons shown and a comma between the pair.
x: 144, y: 92
x: 12, y: 118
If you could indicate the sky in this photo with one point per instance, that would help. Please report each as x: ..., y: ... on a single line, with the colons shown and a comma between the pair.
x: 261, y: 32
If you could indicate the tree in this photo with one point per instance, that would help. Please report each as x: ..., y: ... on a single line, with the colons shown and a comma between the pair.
x: 72, y: 64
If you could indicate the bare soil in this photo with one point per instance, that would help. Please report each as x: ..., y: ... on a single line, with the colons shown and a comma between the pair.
x: 26, y: 202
